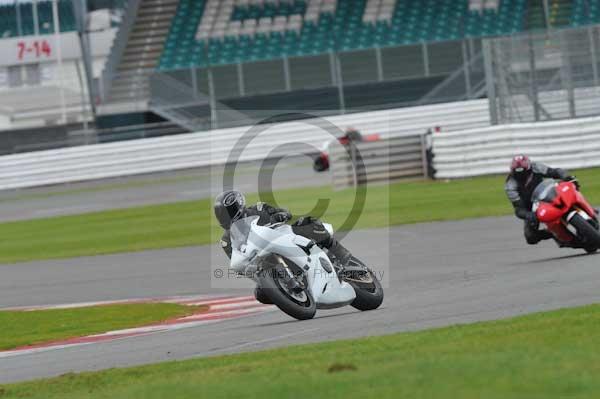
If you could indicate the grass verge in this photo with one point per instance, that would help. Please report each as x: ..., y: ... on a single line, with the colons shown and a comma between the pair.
x: 192, y: 223
x: 31, y: 327
x: 545, y: 355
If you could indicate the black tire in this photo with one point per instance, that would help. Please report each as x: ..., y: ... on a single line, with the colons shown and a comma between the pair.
x: 368, y: 289
x: 587, y: 233
x: 319, y: 165
x: 261, y: 297
x: 271, y: 285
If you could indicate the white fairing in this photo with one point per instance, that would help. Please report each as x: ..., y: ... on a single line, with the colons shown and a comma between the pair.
x: 250, y: 242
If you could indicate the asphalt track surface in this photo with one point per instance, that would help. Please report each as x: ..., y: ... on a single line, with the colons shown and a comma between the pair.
x: 158, y: 188
x: 439, y: 274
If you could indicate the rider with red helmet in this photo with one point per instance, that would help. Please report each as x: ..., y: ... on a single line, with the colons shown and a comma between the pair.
x: 524, y: 177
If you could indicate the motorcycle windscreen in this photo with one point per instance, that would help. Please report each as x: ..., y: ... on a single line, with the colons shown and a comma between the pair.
x: 545, y: 191
x: 240, y: 230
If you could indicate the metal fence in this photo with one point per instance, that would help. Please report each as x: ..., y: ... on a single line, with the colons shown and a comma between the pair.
x: 333, y: 82
x: 544, y: 76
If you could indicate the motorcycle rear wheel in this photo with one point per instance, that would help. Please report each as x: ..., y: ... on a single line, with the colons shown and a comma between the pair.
x: 300, y: 306
x: 587, y: 233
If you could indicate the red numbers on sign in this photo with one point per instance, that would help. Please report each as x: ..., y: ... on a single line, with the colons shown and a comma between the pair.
x: 37, y: 49
x: 21, y: 46
x: 46, y: 48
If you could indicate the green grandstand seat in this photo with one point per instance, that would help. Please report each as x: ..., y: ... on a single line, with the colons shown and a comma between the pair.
x: 585, y: 12
x: 412, y: 22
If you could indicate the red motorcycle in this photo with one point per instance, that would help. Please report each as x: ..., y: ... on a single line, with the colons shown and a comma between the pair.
x: 567, y: 215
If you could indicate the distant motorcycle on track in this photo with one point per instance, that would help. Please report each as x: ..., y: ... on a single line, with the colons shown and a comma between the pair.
x: 567, y: 215
x: 297, y: 275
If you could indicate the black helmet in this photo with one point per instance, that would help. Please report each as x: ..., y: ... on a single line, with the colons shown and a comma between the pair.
x: 229, y: 207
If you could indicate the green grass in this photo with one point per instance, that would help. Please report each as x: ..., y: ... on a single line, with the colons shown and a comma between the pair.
x: 545, y: 355
x: 192, y: 223
x: 25, y: 328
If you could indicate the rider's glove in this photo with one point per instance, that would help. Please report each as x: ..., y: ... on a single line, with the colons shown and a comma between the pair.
x: 280, y: 217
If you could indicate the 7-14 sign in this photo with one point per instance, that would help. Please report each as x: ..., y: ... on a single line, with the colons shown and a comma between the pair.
x: 35, y: 49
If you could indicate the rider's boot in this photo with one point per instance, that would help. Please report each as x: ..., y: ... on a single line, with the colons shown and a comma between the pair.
x: 534, y: 235
x: 545, y: 235
x: 340, y: 252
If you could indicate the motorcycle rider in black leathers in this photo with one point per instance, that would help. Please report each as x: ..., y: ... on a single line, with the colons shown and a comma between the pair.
x: 524, y: 177
x: 230, y: 206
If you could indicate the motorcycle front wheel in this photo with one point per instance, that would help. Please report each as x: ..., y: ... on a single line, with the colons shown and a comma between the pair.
x: 587, y: 233
x: 368, y: 289
x: 275, y: 283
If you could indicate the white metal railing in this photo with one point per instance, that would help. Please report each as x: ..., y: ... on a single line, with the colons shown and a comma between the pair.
x: 569, y: 144
x: 218, y: 146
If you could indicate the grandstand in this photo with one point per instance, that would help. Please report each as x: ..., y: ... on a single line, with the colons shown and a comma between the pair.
x: 214, y: 32
x: 176, y: 60
x: 585, y: 12
x: 190, y: 34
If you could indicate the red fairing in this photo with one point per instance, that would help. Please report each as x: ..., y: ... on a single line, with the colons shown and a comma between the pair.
x: 552, y: 216
x: 567, y: 199
x: 564, y: 201
x: 548, y: 213
x: 585, y: 205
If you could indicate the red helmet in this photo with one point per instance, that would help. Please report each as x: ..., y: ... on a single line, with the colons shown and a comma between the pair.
x: 520, y: 165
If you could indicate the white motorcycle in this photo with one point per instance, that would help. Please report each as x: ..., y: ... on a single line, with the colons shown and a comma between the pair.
x: 297, y: 275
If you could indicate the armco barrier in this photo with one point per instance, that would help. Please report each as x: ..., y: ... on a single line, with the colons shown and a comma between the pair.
x: 567, y: 144
x: 215, y: 147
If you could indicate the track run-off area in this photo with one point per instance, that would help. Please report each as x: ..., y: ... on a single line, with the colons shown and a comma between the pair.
x: 435, y: 274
